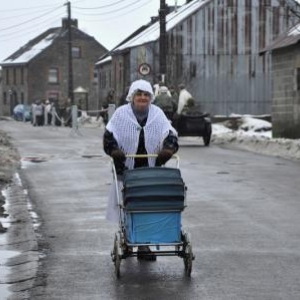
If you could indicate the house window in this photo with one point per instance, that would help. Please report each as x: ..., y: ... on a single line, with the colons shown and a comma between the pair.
x: 14, y: 76
x: 22, y: 98
x: 104, y: 80
x: 76, y: 52
x: 99, y: 79
x: 22, y: 75
x: 4, y: 98
x: 298, y: 79
x: 120, y: 72
x: 7, y: 76
x: 95, y: 76
x: 53, y: 75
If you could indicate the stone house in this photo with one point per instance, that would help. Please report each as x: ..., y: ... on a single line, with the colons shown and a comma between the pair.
x: 285, y: 52
x: 213, y: 48
x: 39, y: 70
x: 1, y: 103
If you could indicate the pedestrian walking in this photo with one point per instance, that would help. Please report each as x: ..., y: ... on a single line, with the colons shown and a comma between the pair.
x: 137, y: 128
x: 184, y: 96
x: 38, y: 113
x: 165, y: 102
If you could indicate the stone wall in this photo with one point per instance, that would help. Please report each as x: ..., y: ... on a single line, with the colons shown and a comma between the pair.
x: 286, y: 100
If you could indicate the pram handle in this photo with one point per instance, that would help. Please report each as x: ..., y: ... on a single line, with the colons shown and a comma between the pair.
x: 174, y: 156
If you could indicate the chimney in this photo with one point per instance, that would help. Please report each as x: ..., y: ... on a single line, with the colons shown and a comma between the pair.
x: 74, y: 23
x: 154, y: 19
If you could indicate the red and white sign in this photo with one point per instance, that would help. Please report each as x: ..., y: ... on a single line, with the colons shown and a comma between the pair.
x: 144, y: 69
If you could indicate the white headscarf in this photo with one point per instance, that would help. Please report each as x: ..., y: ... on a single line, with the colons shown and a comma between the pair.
x: 141, y: 85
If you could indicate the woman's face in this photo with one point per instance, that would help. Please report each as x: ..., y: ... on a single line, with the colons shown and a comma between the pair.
x: 141, y: 100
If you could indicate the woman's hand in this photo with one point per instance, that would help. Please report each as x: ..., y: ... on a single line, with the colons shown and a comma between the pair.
x: 118, y: 155
x: 163, y: 156
x: 119, y: 160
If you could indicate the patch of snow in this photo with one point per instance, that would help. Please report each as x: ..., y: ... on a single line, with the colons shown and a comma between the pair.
x: 90, y: 122
x: 257, y: 138
x: 220, y: 129
x: 33, y: 51
x: 256, y: 125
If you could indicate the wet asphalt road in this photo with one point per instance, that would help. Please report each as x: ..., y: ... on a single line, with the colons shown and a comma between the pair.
x: 243, y: 216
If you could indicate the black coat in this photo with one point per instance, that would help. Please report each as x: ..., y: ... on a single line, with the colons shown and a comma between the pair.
x: 110, y: 144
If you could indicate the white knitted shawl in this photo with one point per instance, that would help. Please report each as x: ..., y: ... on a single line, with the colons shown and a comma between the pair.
x: 126, y: 131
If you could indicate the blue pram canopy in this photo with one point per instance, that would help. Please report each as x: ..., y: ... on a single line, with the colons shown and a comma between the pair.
x: 157, y: 188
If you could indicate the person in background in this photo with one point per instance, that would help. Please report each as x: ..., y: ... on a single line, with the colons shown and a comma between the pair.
x: 137, y: 128
x: 184, y: 96
x: 48, y: 107
x: 39, y: 113
x: 165, y: 102
x: 33, y: 118
x: 191, y: 109
x: 157, y: 87
x: 122, y: 99
x: 110, y: 99
x: 174, y: 94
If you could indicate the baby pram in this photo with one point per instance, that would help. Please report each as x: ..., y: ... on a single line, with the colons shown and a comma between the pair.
x: 150, y: 206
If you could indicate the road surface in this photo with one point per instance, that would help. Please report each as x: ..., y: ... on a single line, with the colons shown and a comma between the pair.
x: 243, y: 215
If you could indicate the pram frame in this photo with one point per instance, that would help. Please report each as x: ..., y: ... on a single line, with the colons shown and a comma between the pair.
x: 121, y: 248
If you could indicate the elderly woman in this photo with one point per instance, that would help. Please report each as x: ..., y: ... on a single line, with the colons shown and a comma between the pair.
x: 138, y: 128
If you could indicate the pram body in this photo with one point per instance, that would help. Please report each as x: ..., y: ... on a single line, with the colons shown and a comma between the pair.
x: 150, y: 204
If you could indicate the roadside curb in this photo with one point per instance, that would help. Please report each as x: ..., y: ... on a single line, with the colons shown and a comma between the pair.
x: 21, y: 238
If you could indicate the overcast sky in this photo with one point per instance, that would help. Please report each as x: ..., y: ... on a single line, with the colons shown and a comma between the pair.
x: 109, y: 21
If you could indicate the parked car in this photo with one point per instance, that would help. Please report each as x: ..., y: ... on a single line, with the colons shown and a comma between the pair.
x: 22, y: 111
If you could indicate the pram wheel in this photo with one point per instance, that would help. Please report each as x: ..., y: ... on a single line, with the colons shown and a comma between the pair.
x: 116, y: 255
x: 188, y: 253
x: 188, y: 259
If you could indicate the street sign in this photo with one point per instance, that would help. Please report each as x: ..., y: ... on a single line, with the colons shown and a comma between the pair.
x: 144, y: 69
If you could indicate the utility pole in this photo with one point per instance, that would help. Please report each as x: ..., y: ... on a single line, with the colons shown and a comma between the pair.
x: 162, y: 40
x: 70, y: 61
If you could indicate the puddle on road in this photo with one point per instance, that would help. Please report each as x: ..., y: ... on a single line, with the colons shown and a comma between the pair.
x: 33, y: 214
x: 34, y: 159
x: 92, y: 155
x: 5, y: 255
x: 28, y: 161
x: 4, y: 271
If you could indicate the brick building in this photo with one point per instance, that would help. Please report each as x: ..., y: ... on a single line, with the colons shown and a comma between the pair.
x: 1, y: 104
x: 39, y: 70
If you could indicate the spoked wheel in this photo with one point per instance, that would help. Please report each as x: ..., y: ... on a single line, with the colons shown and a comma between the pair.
x: 207, y: 135
x: 116, y: 255
x: 188, y: 255
x: 206, y: 139
x: 188, y: 259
